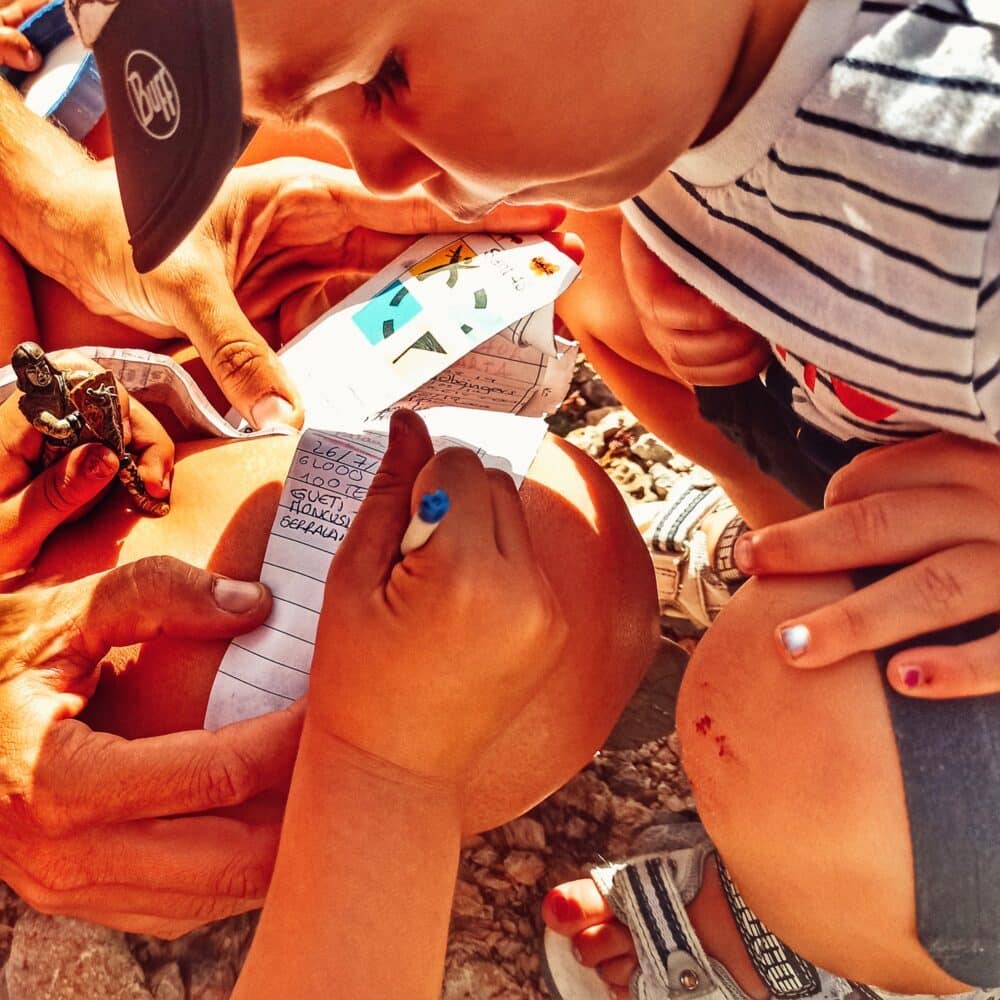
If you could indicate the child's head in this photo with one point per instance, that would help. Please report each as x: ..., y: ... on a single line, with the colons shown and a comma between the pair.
x: 579, y: 101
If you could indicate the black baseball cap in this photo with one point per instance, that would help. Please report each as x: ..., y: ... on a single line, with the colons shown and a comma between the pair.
x: 171, y: 76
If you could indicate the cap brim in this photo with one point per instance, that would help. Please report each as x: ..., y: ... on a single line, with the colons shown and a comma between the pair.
x: 171, y: 76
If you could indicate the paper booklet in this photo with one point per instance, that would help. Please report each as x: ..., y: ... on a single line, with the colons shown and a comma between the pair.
x: 459, y: 327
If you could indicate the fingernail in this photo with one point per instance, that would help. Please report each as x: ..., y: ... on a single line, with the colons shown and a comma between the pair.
x: 577, y: 955
x: 795, y: 639
x: 912, y: 677
x: 271, y: 410
x: 566, y: 910
x: 397, y: 426
x: 236, y: 596
x: 167, y: 482
x: 743, y: 553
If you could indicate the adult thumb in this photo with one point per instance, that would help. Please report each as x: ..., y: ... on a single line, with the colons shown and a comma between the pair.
x: 156, y: 596
x: 242, y: 363
x: 57, y: 494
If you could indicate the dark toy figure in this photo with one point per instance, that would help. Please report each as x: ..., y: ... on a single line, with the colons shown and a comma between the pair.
x: 73, y: 407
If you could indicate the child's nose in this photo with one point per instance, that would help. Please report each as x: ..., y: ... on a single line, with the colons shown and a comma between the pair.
x: 392, y: 169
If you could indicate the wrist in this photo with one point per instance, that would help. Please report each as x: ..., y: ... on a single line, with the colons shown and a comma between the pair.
x: 324, y: 751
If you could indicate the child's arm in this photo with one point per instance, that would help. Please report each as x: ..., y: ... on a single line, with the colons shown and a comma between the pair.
x: 932, y: 504
x: 419, y: 665
x: 699, y: 342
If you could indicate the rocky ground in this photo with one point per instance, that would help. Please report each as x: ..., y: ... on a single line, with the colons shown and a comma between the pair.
x: 493, y: 951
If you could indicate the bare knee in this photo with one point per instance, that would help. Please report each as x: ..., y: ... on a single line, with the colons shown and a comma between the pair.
x: 602, y: 576
x: 797, y: 778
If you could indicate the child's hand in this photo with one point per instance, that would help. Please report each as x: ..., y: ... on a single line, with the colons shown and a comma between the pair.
x: 421, y: 662
x: 34, y: 503
x: 702, y: 344
x: 15, y: 50
x: 933, y: 504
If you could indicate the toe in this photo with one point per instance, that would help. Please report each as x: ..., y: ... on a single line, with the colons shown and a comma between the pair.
x: 618, y: 972
x: 602, y: 944
x: 574, y: 906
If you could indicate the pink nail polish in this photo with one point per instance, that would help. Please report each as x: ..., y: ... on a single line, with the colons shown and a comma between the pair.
x: 795, y: 639
x: 912, y: 676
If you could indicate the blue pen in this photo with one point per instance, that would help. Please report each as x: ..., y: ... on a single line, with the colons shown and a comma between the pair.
x: 432, y: 508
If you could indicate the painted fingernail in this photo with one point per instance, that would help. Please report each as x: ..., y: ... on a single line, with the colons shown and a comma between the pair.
x: 566, y: 910
x: 271, y: 410
x: 795, y: 639
x: 236, y: 596
x: 912, y: 677
x: 743, y: 553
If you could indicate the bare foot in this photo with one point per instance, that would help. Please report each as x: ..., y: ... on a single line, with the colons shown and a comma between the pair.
x: 577, y: 910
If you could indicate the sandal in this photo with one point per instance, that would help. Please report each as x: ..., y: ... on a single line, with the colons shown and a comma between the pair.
x: 649, y: 895
x: 691, y: 536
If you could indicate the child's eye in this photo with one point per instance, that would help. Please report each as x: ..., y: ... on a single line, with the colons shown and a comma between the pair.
x: 385, y: 84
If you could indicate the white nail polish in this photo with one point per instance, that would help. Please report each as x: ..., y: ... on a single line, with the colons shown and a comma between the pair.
x: 795, y: 639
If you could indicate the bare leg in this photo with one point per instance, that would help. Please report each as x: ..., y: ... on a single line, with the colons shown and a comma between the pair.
x: 797, y: 780
x: 225, y: 496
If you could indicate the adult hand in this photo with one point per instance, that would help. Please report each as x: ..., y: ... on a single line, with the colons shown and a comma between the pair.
x: 275, y: 235
x: 15, y: 50
x: 33, y: 504
x: 932, y: 504
x: 79, y: 820
x: 701, y: 343
x: 420, y: 662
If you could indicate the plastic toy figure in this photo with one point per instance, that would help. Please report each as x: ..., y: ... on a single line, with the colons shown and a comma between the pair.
x: 73, y: 407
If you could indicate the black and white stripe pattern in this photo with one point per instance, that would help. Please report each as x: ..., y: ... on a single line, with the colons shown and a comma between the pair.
x: 849, y: 214
x: 649, y: 895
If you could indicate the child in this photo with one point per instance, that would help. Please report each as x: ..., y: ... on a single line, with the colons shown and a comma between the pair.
x: 839, y: 198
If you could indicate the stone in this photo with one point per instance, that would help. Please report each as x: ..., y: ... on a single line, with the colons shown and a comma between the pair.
x: 662, y: 477
x: 166, y: 983
x: 481, y: 980
x: 589, y: 440
x: 597, y: 392
x: 525, y: 833
x: 57, y: 958
x: 630, y: 477
x: 212, y: 980
x: 649, y: 448
x: 523, y: 867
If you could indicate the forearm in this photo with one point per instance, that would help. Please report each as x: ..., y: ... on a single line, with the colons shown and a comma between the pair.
x: 362, y: 888
x: 50, y: 191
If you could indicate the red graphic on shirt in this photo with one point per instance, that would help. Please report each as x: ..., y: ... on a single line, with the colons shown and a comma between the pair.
x: 854, y: 400
x: 860, y: 403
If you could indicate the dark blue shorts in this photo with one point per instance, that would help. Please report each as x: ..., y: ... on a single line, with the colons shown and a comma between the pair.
x: 949, y: 752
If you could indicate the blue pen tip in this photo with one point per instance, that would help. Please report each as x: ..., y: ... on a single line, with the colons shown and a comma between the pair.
x: 433, y: 506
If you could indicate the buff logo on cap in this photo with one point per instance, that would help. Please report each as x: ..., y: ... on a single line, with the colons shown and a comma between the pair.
x: 152, y: 94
